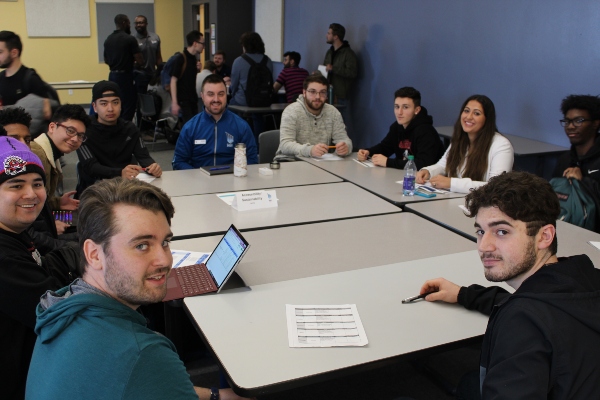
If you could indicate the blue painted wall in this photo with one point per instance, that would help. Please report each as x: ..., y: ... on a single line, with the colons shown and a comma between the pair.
x: 526, y: 55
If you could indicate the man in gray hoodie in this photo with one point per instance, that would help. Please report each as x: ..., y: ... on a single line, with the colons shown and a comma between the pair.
x: 309, y: 127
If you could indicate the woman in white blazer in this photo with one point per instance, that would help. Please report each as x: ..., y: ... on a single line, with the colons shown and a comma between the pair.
x: 477, y: 151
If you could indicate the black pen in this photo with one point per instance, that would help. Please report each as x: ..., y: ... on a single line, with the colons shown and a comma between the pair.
x: 421, y: 296
x: 219, y: 168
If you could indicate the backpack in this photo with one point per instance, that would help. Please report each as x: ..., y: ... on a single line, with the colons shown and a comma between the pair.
x: 259, y: 86
x: 576, y: 206
x: 165, y: 74
x: 51, y: 93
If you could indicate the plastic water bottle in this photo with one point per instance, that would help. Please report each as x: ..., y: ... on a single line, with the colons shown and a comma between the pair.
x: 240, y: 161
x: 410, y: 170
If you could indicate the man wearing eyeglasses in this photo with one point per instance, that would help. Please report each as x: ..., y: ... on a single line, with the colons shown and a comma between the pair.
x: 184, y: 99
x: 111, y: 142
x: 310, y: 126
x: 581, y: 123
x: 65, y: 134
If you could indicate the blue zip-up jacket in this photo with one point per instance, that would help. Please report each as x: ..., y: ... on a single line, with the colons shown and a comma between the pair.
x: 204, y: 141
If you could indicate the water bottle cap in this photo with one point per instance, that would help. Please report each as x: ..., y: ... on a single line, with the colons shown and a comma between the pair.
x: 411, y: 158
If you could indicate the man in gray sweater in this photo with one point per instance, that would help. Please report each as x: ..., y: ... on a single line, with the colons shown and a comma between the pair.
x: 309, y: 127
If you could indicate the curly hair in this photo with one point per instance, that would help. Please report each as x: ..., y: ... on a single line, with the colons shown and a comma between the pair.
x: 520, y: 195
x: 15, y: 115
x: 582, y: 102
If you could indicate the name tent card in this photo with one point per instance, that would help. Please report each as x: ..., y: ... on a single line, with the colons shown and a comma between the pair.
x: 254, y: 200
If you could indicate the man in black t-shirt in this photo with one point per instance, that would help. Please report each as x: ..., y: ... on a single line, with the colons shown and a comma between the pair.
x: 16, y: 81
x: 184, y: 99
x: 121, y: 50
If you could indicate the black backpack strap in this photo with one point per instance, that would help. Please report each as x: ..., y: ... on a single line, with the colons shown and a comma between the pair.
x: 248, y: 59
x: 264, y: 61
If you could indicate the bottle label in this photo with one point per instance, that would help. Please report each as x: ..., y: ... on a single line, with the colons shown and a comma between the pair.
x: 408, y: 183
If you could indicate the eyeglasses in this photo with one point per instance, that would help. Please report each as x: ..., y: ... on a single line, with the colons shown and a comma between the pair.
x: 576, y: 122
x: 72, y: 132
x: 202, y: 43
x: 313, y: 92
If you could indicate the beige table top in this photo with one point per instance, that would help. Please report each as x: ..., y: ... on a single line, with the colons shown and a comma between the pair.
x: 193, y: 181
x: 206, y: 214
x: 377, y: 180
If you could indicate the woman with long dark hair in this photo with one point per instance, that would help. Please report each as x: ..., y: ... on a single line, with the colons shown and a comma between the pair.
x: 477, y: 151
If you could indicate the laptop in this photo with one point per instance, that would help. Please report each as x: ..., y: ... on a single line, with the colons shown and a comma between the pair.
x: 209, y: 277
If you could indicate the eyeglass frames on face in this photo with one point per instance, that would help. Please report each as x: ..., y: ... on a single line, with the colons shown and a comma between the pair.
x: 72, y: 132
x: 312, y: 92
x: 576, y: 122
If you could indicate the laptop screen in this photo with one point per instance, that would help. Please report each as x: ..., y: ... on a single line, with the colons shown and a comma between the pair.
x: 226, y: 255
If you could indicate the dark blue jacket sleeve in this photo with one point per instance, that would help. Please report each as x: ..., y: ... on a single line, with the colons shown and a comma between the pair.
x: 184, y: 149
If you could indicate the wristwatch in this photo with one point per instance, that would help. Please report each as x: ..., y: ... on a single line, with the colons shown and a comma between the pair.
x: 214, y: 393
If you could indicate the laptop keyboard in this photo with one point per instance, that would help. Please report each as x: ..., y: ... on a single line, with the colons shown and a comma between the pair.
x: 194, y: 280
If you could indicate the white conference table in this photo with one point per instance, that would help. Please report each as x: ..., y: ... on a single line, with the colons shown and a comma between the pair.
x: 246, y: 327
x: 206, y: 214
x: 521, y: 146
x: 303, y: 251
x: 193, y: 181
x: 377, y: 180
x: 572, y: 240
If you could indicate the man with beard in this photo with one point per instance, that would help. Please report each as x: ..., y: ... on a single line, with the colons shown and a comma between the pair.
x: 92, y: 341
x: 291, y: 77
x: 541, y: 341
x: 17, y: 81
x: 223, y: 69
x: 309, y: 126
x: 121, y: 50
x: 149, y: 44
x: 581, y: 123
x: 209, y: 138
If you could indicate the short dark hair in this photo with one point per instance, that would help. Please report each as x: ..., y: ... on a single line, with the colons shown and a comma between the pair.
x: 221, y: 52
x: 71, y: 111
x: 582, y: 102
x: 213, y: 78
x: 3, y: 131
x: 522, y: 196
x: 316, y: 77
x: 15, y: 115
x: 120, y: 20
x: 192, y: 37
x: 253, y: 43
x: 338, y: 30
x: 293, y: 55
x: 96, y: 219
x: 410, y: 93
x: 143, y: 16
x: 209, y: 65
x: 12, y: 40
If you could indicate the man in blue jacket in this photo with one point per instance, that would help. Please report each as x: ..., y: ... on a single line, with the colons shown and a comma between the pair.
x: 210, y: 137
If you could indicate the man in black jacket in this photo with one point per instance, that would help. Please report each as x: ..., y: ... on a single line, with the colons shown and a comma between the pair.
x: 412, y: 134
x: 24, y: 274
x: 581, y: 123
x: 541, y: 341
x: 111, y: 142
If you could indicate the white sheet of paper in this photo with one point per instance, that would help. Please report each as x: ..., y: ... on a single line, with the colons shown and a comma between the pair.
x: 182, y: 258
x: 328, y: 157
x: 595, y: 244
x: 144, y: 177
x: 366, y: 163
x: 323, y: 70
x: 324, y: 326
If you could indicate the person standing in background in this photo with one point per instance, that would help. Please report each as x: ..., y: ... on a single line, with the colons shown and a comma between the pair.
x: 121, y: 50
x: 149, y: 45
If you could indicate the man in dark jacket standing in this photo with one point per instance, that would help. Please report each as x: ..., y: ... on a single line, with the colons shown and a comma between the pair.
x: 581, y: 123
x: 541, y: 341
x: 412, y: 134
x: 111, y: 142
x: 121, y: 51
